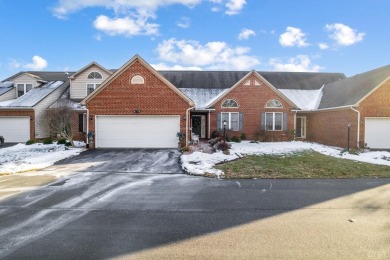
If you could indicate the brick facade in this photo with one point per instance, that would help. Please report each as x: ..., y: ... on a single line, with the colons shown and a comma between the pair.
x: 153, y: 97
x: 330, y: 127
x: 375, y: 105
x: 19, y: 112
x: 252, y: 100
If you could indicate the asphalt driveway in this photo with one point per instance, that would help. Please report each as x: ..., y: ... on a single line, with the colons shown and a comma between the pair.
x: 125, y: 160
x: 122, y: 204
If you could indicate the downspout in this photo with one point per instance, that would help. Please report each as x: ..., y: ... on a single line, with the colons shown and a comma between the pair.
x: 358, y: 126
x: 295, y: 124
x: 187, y: 116
x: 209, y: 127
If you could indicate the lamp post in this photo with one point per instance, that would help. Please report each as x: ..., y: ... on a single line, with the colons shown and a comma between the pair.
x: 224, y: 130
x: 349, y: 130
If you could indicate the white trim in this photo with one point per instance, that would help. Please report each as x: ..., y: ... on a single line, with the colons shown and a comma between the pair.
x: 266, y: 104
x: 97, y: 73
x: 24, y: 88
x: 358, y: 126
x: 273, y: 121
x: 322, y: 109
x: 304, y: 126
x: 238, y: 105
x: 229, y: 122
x: 94, y: 87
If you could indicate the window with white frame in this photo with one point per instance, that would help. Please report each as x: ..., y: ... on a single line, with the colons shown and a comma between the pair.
x: 91, y: 87
x: 274, y: 103
x: 273, y: 121
x: 232, y: 120
x: 24, y: 88
x: 95, y: 75
x: 137, y: 79
x: 229, y: 103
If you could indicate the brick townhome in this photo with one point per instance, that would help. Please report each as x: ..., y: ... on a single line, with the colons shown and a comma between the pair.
x: 137, y: 106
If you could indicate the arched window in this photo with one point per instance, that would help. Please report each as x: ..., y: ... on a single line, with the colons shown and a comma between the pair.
x: 94, y: 75
x: 274, y: 103
x: 229, y: 103
x: 137, y: 79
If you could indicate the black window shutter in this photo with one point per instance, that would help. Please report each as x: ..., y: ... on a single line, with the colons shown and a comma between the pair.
x: 241, y: 119
x: 219, y: 128
x: 81, y: 122
x: 262, y: 124
x: 285, y: 122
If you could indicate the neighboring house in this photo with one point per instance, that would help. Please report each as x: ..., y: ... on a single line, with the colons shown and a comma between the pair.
x: 139, y: 107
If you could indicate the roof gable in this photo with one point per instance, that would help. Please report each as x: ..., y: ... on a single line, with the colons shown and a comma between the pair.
x: 244, y: 79
x: 73, y: 76
x: 124, y: 68
x: 353, y: 90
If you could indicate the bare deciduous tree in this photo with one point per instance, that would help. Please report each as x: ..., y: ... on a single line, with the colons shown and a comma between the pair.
x: 59, y: 119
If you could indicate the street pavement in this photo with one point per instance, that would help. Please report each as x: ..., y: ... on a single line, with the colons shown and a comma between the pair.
x: 91, y: 207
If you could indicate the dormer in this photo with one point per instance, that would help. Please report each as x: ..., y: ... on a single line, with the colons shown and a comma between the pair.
x: 87, y: 79
x: 26, y: 82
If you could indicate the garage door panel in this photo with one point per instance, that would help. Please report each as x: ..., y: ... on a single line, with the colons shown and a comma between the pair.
x: 15, y: 129
x: 137, y: 131
x: 377, y: 133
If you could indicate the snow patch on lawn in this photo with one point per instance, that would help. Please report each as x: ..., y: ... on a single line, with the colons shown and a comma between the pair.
x: 21, y: 157
x: 199, y: 163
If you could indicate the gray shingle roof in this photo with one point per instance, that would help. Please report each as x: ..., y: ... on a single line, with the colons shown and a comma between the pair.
x: 203, y: 79
x: 35, y: 95
x: 300, y: 80
x: 226, y: 79
x: 45, y: 75
x: 349, y: 91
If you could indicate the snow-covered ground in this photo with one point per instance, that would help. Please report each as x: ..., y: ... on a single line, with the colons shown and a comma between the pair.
x: 198, y: 163
x: 21, y: 157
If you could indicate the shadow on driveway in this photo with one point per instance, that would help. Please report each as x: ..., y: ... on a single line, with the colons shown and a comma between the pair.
x: 128, y: 160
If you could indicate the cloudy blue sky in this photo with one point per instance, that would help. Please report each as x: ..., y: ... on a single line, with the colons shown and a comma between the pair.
x: 349, y: 36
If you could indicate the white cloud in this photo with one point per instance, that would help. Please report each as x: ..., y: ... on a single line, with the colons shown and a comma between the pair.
x: 64, y: 7
x: 293, y: 37
x: 232, y: 6
x: 131, y: 16
x: 14, y: 64
x: 212, y: 55
x: 323, y: 46
x: 343, y: 34
x: 299, y: 63
x: 164, y: 66
x: 235, y: 6
x: 246, y: 33
x: 38, y: 63
x: 125, y: 26
x: 184, y: 22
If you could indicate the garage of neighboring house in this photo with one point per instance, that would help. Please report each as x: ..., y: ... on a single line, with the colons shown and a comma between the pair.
x: 15, y: 129
x: 377, y: 132
x: 137, y: 131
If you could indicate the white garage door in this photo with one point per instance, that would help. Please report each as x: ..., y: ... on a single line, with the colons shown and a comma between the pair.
x: 15, y: 129
x: 377, y: 133
x: 137, y: 131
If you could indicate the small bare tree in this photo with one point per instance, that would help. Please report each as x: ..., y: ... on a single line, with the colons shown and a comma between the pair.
x: 59, y: 119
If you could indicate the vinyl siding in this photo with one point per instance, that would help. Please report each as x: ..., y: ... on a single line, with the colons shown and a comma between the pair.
x: 11, y: 94
x: 41, y: 130
x: 24, y: 79
x: 78, y: 86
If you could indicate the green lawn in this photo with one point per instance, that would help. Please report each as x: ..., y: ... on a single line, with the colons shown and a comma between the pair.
x: 307, y: 164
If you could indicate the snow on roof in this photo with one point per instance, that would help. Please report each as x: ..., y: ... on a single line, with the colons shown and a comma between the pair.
x: 35, y: 95
x: 5, y: 87
x: 6, y: 103
x: 304, y: 99
x: 202, y: 96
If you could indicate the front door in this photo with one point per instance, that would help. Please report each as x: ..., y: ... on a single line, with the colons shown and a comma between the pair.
x: 198, y: 124
x: 301, y: 127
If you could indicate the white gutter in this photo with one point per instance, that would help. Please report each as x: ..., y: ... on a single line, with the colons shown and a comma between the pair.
x: 358, y: 126
x: 187, y: 116
x: 322, y: 109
